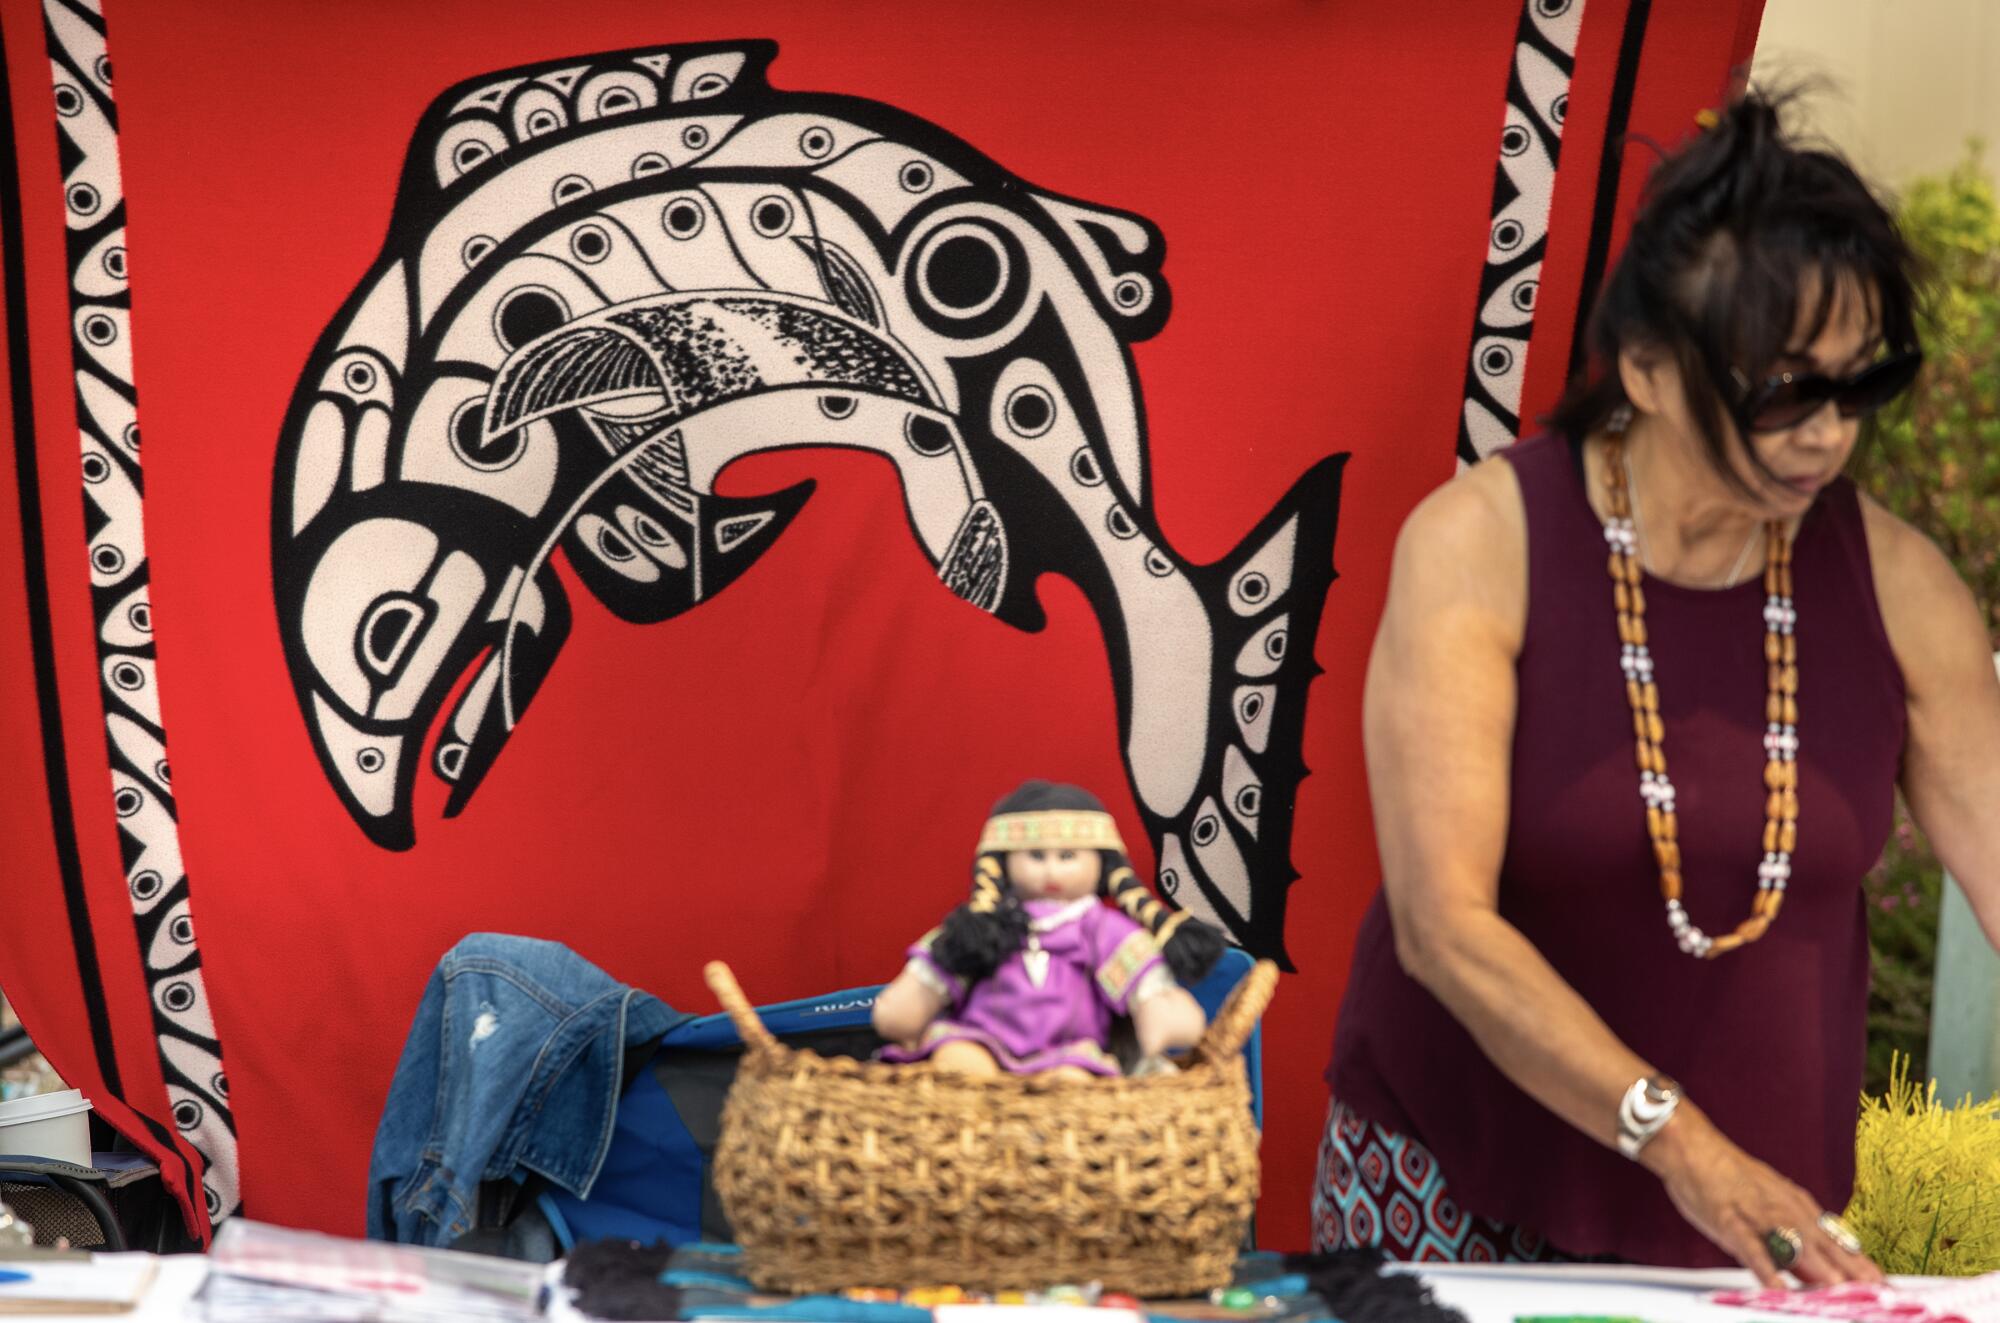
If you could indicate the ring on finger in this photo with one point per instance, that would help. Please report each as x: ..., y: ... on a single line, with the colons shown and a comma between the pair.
x: 1785, y: 1245
x: 1840, y: 1233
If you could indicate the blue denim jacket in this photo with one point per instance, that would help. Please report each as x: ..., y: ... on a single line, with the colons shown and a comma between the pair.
x: 514, y: 1064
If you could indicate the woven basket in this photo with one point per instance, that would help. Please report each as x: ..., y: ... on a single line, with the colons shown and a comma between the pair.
x: 839, y: 1173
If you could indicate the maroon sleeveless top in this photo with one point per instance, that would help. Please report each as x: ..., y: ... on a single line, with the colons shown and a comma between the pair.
x: 1769, y: 1039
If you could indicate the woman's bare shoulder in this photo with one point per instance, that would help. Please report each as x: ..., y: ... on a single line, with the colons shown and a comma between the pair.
x: 1925, y: 605
x: 1904, y: 557
x: 1466, y: 545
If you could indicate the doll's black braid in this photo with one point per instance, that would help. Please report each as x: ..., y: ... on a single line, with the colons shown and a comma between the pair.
x: 989, y: 884
x: 978, y: 935
x: 991, y: 926
x: 1190, y: 946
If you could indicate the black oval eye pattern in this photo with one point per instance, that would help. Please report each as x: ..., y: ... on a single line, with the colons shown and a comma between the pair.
x: 1787, y: 399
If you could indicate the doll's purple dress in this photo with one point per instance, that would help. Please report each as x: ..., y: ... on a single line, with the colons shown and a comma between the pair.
x: 1038, y: 1012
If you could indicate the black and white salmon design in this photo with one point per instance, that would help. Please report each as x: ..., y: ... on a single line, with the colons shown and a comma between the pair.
x: 608, y: 278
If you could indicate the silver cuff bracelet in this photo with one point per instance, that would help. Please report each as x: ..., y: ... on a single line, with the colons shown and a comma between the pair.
x: 1644, y: 1111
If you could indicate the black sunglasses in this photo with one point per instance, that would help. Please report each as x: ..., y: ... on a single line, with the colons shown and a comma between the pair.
x: 1787, y: 399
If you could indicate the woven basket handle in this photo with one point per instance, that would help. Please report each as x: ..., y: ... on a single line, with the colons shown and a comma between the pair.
x: 1233, y: 1024
x: 741, y: 1013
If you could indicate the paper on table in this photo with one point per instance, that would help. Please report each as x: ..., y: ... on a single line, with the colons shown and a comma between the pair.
x: 261, y: 1273
x: 1951, y: 1300
x: 108, y: 1284
x: 1503, y: 1294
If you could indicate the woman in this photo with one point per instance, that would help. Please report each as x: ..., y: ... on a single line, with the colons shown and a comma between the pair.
x: 1625, y: 802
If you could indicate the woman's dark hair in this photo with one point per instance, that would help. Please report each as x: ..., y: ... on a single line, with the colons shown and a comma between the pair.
x: 977, y: 936
x: 1734, y: 231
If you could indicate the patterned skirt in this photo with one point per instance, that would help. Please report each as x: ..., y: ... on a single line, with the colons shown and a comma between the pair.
x: 1378, y: 1190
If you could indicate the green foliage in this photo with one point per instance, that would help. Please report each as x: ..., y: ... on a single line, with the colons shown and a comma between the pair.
x: 1903, y: 891
x: 1934, y: 459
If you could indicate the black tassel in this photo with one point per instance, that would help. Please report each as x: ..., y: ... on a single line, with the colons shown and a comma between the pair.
x: 620, y: 1279
x: 1356, y: 1290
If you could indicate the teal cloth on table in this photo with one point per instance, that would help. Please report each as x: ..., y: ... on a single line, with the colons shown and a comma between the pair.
x: 702, y: 1272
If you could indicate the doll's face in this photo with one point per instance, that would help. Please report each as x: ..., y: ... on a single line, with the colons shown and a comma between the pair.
x: 1053, y: 874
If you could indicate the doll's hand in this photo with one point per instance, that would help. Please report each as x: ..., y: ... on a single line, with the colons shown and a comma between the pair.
x: 905, y: 1008
x: 1169, y: 1018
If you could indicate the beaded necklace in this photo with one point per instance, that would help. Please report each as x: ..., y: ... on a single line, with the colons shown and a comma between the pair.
x: 1781, y: 715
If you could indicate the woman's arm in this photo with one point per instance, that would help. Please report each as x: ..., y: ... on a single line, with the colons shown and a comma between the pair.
x: 1951, y: 754
x: 1438, y: 724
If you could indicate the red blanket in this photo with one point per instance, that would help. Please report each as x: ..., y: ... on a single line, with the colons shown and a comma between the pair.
x: 650, y: 477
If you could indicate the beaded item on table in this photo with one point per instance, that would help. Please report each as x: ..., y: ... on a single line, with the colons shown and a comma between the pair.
x: 1781, y: 731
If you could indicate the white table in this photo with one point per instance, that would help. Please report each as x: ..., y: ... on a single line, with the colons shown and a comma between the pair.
x: 1485, y: 1294
x: 1500, y: 1293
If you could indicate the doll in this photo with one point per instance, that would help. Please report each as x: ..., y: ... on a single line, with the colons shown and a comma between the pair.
x: 1027, y: 975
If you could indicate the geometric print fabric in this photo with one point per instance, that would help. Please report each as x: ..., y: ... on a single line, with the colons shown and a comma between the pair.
x: 1380, y: 1190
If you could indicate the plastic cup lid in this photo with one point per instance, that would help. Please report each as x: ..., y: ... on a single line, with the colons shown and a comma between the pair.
x: 43, y: 1106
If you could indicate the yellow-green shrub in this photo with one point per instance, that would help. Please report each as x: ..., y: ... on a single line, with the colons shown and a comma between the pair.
x: 1927, y: 1180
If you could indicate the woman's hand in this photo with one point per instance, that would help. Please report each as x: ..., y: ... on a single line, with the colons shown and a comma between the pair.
x: 1735, y: 1200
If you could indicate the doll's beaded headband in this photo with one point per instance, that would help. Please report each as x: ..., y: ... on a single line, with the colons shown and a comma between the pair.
x: 1067, y: 829
x: 1050, y: 829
